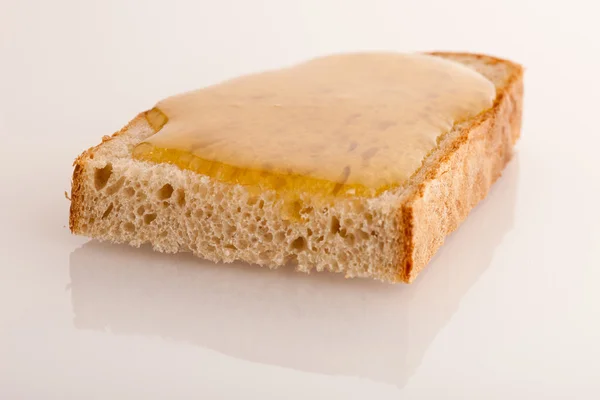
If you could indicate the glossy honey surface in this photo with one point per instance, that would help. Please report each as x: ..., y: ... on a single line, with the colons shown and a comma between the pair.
x: 349, y: 124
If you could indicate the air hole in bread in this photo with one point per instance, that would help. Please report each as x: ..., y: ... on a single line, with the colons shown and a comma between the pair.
x: 268, y: 237
x: 279, y: 237
x: 334, y: 225
x: 114, y: 188
x: 180, y: 197
x: 362, y: 235
x: 101, y: 176
x: 107, y: 211
x: 163, y: 234
x: 343, y: 232
x: 148, y: 218
x: 141, y: 210
x: 129, y: 191
x: 165, y: 192
x: 299, y: 244
x: 350, y: 239
x: 229, y: 229
x: 129, y: 227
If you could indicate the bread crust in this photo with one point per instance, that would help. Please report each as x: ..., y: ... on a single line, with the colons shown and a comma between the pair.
x: 437, y: 200
x: 454, y: 177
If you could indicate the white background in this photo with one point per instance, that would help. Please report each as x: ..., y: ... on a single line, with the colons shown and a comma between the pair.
x: 509, y: 308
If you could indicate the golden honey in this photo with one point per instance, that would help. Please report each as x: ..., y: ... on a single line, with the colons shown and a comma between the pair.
x: 349, y: 124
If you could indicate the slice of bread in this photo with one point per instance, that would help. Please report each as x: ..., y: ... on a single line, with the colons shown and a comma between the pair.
x: 390, y: 237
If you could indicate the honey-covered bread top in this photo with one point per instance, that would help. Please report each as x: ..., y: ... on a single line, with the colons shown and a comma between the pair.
x: 351, y: 124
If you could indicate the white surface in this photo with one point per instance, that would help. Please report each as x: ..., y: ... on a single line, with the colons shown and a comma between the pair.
x: 509, y: 308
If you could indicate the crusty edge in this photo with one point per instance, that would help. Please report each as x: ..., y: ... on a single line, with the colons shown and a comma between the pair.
x: 77, y: 181
x: 483, y: 149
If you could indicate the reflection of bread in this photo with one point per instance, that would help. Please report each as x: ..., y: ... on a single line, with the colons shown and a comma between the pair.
x: 366, y: 329
x: 390, y: 237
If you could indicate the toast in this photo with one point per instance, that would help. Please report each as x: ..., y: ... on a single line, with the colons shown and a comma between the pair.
x: 390, y: 237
